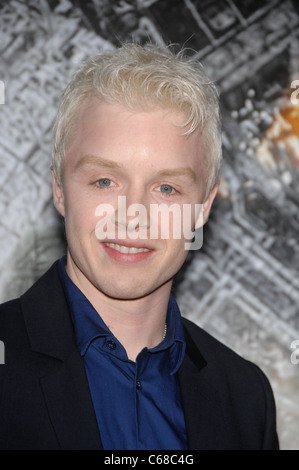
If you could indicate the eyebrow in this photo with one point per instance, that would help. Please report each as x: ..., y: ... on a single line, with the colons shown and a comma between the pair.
x: 94, y: 160
x: 181, y: 171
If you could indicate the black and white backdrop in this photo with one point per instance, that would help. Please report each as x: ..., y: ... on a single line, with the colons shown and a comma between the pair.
x: 243, y: 285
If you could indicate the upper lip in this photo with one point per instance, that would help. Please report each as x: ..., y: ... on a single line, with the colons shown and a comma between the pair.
x: 130, y: 243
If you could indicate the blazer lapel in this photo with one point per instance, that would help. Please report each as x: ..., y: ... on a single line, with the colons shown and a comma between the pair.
x: 205, y: 424
x: 70, y: 407
x: 65, y: 387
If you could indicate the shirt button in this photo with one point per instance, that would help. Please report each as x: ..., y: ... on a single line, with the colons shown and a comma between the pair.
x: 111, y: 345
x: 138, y: 385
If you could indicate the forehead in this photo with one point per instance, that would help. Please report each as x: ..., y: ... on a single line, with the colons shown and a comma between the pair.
x: 92, y: 112
x: 114, y: 132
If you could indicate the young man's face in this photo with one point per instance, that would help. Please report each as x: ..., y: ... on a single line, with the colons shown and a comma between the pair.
x: 140, y: 155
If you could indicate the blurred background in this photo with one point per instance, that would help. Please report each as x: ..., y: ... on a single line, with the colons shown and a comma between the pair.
x: 243, y: 285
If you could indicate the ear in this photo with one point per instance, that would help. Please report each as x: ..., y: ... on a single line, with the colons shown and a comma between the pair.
x: 205, y: 208
x: 58, y: 195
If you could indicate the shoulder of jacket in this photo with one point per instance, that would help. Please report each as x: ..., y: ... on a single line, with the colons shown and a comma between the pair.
x: 12, y: 311
x: 9, y: 308
x: 220, y: 356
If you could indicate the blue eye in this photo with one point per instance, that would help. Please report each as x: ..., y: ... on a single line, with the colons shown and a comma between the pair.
x: 104, y: 182
x: 166, y: 189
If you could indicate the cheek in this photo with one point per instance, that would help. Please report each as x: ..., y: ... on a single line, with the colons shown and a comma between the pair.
x: 180, y: 224
x: 176, y: 254
x: 79, y: 218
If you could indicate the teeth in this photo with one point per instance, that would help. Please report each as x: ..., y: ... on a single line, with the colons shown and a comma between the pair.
x: 126, y: 249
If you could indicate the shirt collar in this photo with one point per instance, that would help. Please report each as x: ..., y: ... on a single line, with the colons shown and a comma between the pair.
x: 174, y: 340
x: 89, y: 324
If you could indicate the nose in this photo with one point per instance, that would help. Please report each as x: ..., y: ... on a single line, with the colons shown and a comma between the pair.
x: 132, y: 216
x: 136, y: 193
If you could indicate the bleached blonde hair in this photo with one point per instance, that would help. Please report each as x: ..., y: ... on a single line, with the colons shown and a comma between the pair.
x: 144, y: 77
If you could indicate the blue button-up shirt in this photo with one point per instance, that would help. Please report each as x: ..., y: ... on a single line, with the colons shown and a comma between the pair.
x: 137, y: 404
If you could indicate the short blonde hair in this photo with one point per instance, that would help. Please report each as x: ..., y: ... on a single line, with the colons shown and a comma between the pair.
x: 144, y: 77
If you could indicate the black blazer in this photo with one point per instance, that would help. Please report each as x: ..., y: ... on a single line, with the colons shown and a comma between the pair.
x: 45, y: 402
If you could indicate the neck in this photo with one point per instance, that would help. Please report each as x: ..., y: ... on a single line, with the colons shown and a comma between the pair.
x: 136, y: 323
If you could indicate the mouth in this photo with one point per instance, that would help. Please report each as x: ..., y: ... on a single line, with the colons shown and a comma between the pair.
x: 126, y: 249
x: 126, y: 252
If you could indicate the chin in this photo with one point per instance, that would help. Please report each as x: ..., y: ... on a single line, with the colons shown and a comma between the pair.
x: 116, y: 288
x: 124, y: 293
x: 129, y: 290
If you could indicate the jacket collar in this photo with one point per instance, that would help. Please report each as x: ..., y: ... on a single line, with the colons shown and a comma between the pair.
x: 65, y: 388
x: 44, y: 307
x: 205, y: 423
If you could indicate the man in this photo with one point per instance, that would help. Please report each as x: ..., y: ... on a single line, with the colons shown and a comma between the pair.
x: 97, y: 354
